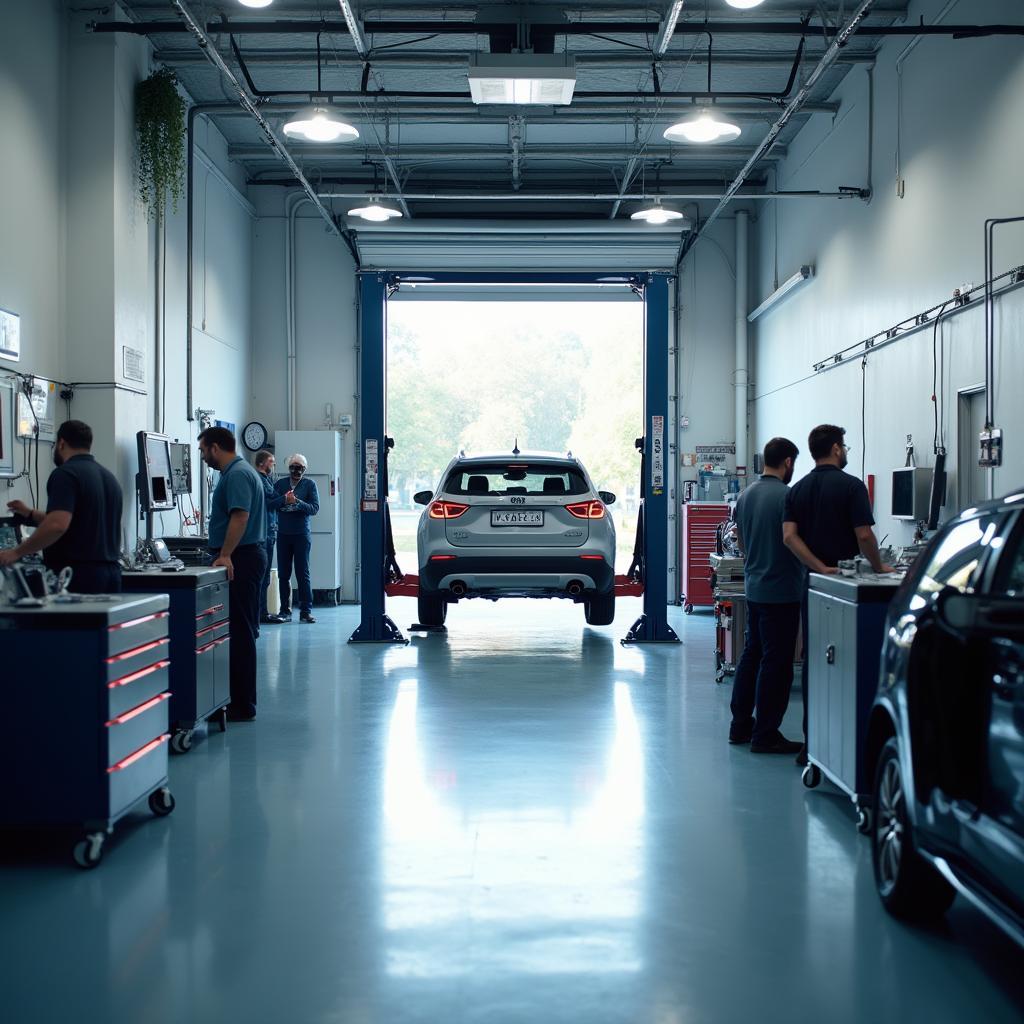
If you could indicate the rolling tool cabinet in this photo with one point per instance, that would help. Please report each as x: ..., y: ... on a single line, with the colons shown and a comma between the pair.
x: 845, y: 631
x: 700, y: 527
x: 200, y: 645
x: 84, y: 694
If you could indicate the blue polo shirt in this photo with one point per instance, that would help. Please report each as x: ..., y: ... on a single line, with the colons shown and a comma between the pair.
x: 239, y: 487
x: 772, y: 572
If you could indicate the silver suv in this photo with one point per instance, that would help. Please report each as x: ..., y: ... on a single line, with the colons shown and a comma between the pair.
x: 529, y: 524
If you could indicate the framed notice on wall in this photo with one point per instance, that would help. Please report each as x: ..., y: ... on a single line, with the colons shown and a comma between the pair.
x: 10, y: 335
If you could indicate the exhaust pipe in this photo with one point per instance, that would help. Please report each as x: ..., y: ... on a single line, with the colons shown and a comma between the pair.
x: 458, y: 588
x: 575, y: 588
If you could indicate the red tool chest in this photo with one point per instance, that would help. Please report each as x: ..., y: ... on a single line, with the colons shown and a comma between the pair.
x: 699, y: 525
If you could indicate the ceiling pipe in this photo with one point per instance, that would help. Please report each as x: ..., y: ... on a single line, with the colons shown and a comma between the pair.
x: 839, y: 41
x: 597, y: 197
x: 647, y: 28
x: 668, y: 27
x: 354, y: 28
x: 438, y: 228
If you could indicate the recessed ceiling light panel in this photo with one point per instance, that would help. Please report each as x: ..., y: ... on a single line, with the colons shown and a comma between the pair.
x: 521, y: 79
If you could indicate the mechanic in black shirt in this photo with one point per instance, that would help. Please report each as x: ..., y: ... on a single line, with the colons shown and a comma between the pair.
x: 81, y: 527
x: 828, y: 519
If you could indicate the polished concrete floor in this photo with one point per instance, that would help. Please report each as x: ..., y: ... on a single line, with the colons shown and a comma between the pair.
x: 520, y: 822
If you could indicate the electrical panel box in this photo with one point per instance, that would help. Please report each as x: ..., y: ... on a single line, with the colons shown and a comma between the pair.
x: 990, y: 451
x: 181, y: 468
x: 8, y: 387
x: 911, y: 493
x: 37, y: 404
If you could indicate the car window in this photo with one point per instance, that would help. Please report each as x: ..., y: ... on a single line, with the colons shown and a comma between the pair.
x: 1010, y: 577
x: 954, y: 561
x: 531, y: 479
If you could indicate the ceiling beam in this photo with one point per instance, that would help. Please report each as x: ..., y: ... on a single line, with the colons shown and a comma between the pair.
x: 355, y: 30
x: 668, y: 27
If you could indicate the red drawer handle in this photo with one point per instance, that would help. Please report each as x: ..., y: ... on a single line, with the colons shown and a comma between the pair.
x: 125, y: 680
x: 140, y: 753
x: 214, y: 643
x: 137, y: 622
x: 137, y: 650
x: 210, y: 611
x: 209, y: 629
x: 128, y: 715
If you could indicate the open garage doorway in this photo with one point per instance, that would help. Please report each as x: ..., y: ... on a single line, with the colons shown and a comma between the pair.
x: 483, y: 375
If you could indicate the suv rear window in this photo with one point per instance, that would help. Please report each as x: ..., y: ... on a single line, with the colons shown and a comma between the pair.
x: 500, y: 478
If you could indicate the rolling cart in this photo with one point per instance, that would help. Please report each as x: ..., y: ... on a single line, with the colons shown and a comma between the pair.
x: 846, y: 624
x: 700, y: 526
x: 85, y: 697
x: 200, y: 645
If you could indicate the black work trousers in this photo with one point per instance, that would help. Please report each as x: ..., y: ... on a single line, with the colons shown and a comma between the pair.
x: 95, y: 578
x: 293, y: 548
x: 271, y: 543
x: 764, y: 675
x: 250, y: 562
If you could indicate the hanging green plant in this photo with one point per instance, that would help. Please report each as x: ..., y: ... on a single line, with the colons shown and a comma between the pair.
x: 160, y: 129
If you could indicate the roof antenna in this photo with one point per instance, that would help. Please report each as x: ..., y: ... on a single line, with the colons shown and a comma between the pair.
x: 515, y: 450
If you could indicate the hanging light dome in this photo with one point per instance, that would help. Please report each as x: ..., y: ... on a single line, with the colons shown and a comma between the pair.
x: 255, y: 3
x: 744, y: 5
x: 703, y: 127
x: 319, y: 124
x: 656, y: 213
x: 377, y: 210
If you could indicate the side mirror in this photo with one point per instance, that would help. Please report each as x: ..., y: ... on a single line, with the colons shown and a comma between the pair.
x: 956, y: 611
x: 423, y: 497
x: 607, y: 497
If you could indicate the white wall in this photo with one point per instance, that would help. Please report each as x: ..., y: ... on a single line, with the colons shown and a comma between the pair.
x: 878, y: 263
x: 80, y: 260
x: 325, y: 328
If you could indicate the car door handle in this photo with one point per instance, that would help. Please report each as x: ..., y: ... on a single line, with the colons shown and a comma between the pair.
x: 830, y: 654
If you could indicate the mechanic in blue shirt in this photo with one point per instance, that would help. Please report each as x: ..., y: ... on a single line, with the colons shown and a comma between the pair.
x: 294, y: 537
x: 265, y: 463
x: 773, y: 583
x: 237, y: 541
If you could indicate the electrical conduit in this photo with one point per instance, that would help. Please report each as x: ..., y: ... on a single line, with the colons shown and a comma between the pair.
x: 742, y: 375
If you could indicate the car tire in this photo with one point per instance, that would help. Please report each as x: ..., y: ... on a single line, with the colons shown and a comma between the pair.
x: 432, y: 609
x: 908, y: 886
x: 600, y: 609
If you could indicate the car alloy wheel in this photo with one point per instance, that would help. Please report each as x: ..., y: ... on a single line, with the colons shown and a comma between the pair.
x: 889, y: 827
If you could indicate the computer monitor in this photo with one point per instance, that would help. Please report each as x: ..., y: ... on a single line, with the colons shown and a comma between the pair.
x: 937, y: 494
x: 156, y: 488
x: 181, y: 468
x: 910, y: 489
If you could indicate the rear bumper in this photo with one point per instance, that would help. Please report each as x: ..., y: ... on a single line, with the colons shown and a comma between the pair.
x: 503, y: 575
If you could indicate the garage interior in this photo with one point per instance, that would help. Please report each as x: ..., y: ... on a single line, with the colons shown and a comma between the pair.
x: 521, y: 818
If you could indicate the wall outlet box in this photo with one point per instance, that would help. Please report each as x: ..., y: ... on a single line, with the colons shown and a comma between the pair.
x: 990, y: 446
x: 345, y: 420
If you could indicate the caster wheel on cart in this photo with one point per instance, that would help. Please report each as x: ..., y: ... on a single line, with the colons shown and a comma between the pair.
x: 181, y: 741
x: 811, y: 776
x: 161, y: 802
x: 88, y: 851
x: 864, y: 821
x: 687, y: 609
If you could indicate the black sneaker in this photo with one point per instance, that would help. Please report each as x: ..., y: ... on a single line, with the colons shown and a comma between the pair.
x: 285, y: 616
x: 778, y: 745
x: 739, y: 737
x: 306, y: 617
x: 240, y: 716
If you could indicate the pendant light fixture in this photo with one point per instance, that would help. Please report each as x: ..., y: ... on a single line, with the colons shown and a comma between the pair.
x: 744, y: 5
x: 705, y: 126
x: 376, y: 209
x: 655, y: 213
x: 319, y: 122
x: 255, y: 3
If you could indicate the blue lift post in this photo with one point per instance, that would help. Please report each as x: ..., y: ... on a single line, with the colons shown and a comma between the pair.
x: 374, y: 288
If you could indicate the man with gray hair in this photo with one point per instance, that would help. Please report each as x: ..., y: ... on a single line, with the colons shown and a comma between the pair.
x: 294, y: 538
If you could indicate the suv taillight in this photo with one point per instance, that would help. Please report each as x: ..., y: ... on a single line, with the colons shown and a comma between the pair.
x: 446, y: 510
x: 586, y: 510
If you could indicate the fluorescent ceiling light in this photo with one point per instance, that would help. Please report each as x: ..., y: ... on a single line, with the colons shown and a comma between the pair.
x: 376, y: 210
x: 320, y: 124
x: 744, y: 5
x: 255, y: 3
x: 705, y: 127
x: 657, y: 214
x: 803, y: 274
x: 518, y: 79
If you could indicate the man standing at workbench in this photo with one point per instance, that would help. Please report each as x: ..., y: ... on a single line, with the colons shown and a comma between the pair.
x: 238, y: 531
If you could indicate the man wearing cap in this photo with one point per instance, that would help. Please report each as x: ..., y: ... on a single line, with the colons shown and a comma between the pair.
x: 294, y: 537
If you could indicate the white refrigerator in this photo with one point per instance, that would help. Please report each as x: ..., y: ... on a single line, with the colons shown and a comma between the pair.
x: 322, y: 449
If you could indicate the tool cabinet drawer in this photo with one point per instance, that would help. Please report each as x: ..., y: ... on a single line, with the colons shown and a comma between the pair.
x: 137, y: 658
x: 135, y: 633
x: 130, y: 691
x: 212, y: 603
x: 208, y: 634
x: 133, y: 729
x: 138, y: 773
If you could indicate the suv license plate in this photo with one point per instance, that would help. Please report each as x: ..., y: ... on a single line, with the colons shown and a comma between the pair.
x: 517, y: 518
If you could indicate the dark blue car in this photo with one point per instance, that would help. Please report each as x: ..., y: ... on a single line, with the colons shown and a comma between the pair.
x: 947, y: 728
